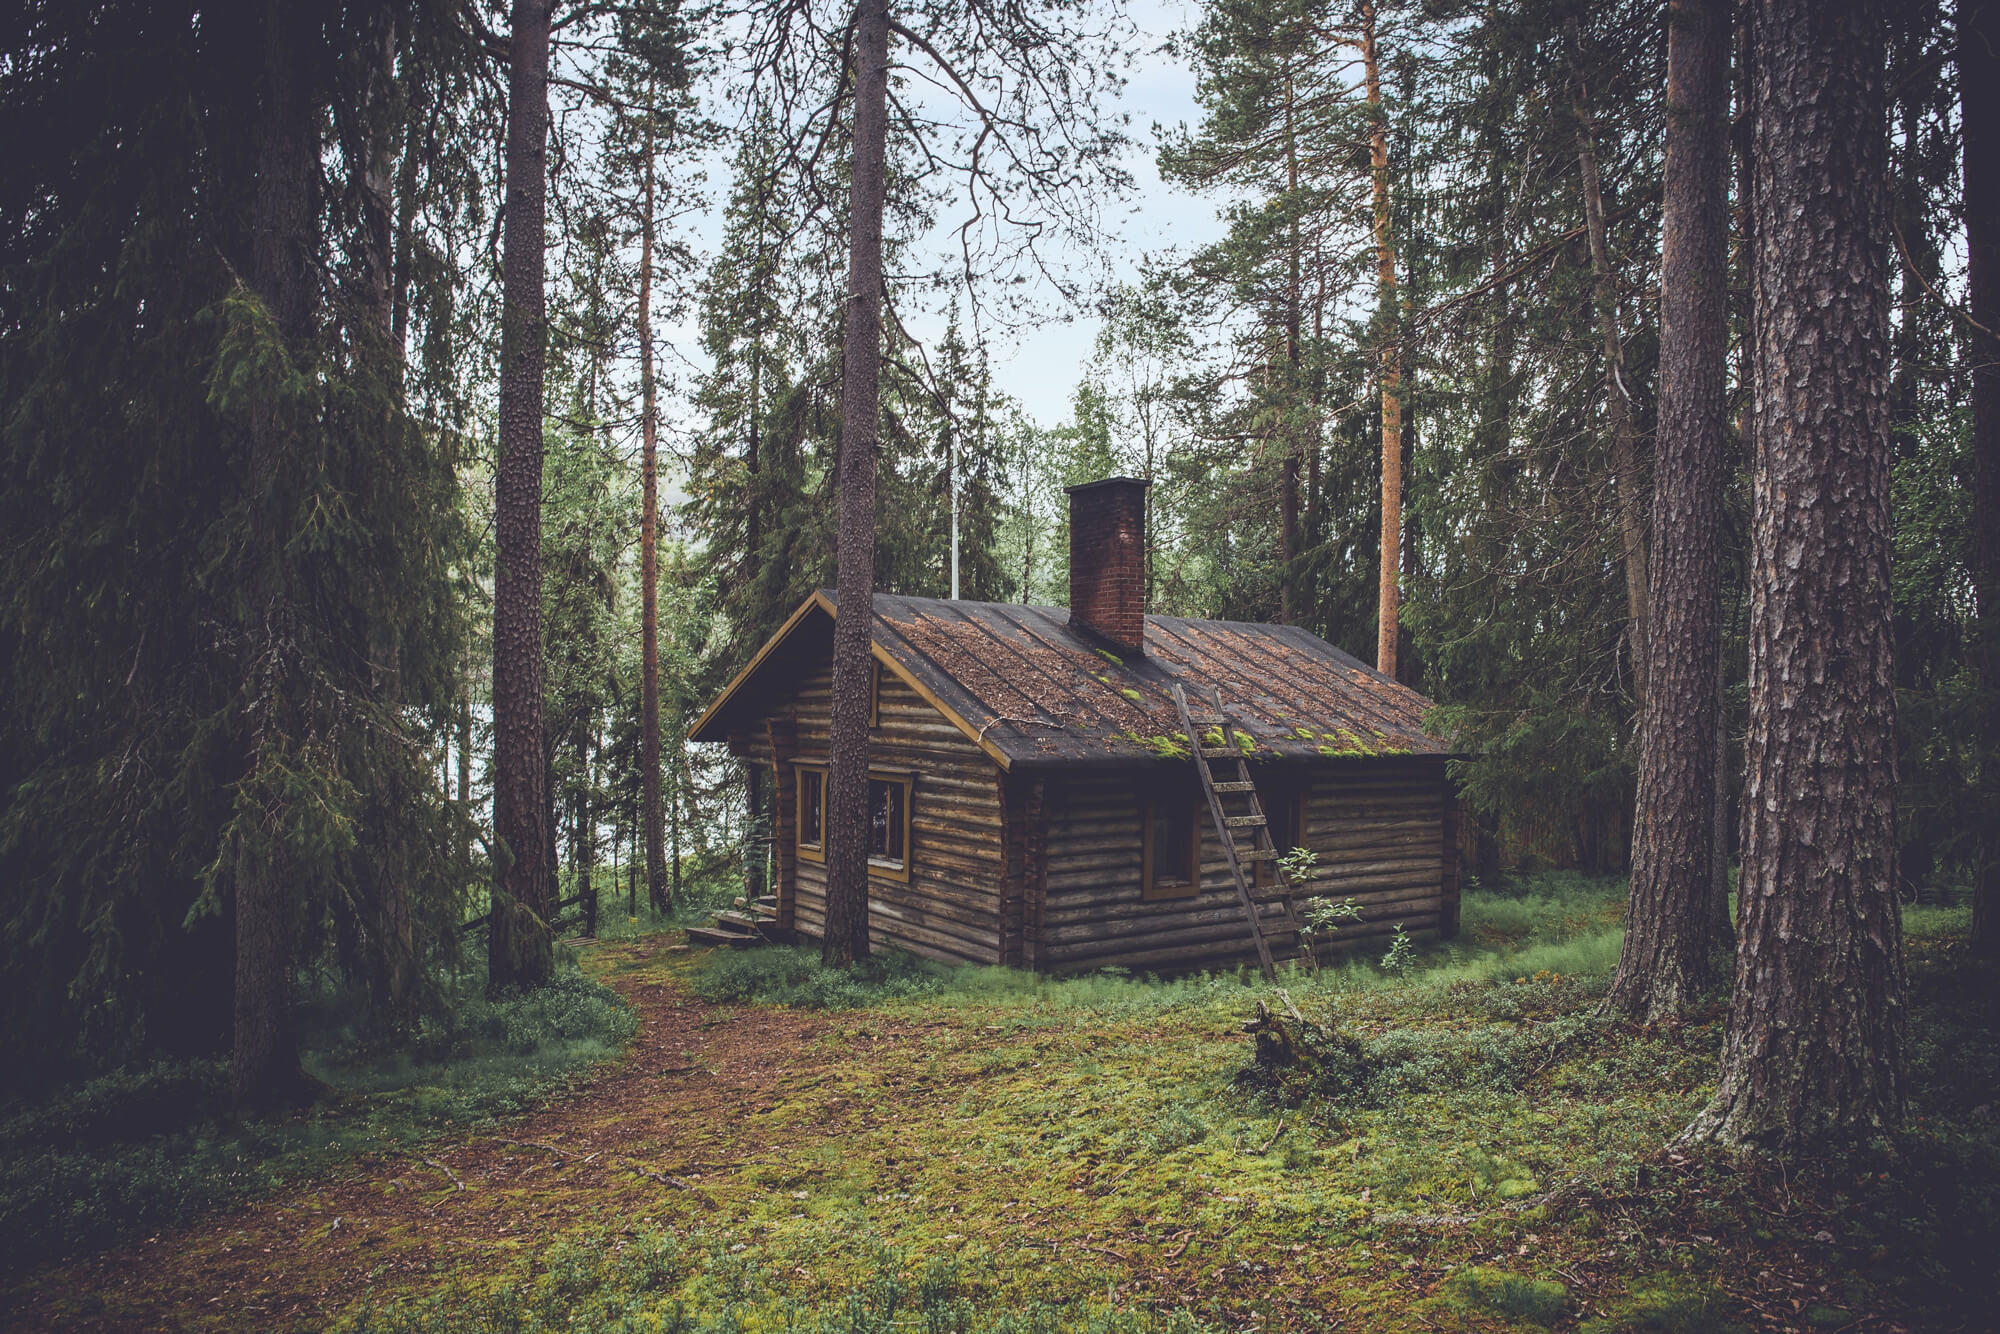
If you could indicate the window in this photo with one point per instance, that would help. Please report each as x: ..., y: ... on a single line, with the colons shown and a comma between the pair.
x: 889, y: 825
x: 1285, y: 808
x: 812, y: 813
x: 1172, y: 848
x: 888, y: 818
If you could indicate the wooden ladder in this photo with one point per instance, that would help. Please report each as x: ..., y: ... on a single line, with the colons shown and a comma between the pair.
x: 1249, y: 820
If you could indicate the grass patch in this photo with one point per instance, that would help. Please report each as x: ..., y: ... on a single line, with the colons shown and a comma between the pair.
x: 135, y: 1151
x: 978, y: 1149
x: 707, y: 1282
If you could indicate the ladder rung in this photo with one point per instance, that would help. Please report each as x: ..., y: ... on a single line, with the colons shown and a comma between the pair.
x: 1258, y: 855
x: 1235, y: 787
x: 1212, y: 719
x: 1221, y: 752
x: 1242, y: 821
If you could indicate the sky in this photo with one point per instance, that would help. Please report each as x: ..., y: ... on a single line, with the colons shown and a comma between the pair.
x: 1040, y: 368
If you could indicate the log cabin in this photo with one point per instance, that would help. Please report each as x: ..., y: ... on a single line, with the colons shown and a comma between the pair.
x: 1033, y: 800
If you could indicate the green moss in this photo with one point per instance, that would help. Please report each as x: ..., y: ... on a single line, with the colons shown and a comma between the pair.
x: 1133, y: 695
x: 962, y: 1149
x: 1173, y: 746
x: 1535, y: 1301
x: 1110, y: 657
x: 1667, y: 1304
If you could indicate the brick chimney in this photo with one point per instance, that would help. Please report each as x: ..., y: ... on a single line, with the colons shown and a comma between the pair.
x: 1107, y: 560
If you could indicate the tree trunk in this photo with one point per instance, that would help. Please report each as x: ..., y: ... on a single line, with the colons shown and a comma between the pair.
x: 395, y: 965
x: 649, y: 554
x: 465, y: 750
x: 1815, y: 1047
x: 674, y: 827
x: 380, y: 125
x: 1288, y: 503
x: 586, y: 841
x: 1671, y: 948
x: 860, y: 418
x: 756, y: 845
x: 519, y: 947
x: 1617, y: 401
x: 1388, y: 590
x: 1979, y: 95
x: 264, y: 1057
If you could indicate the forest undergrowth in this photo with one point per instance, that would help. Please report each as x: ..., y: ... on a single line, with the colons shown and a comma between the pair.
x: 157, y: 1147
x: 923, y: 1148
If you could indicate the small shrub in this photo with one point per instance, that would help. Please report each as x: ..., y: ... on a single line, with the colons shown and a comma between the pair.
x: 1402, y: 955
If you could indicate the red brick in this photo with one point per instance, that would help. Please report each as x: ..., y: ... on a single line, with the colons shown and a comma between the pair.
x: 1107, y: 560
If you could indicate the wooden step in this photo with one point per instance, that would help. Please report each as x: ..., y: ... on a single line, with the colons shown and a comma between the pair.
x: 1243, y: 821
x: 1258, y: 855
x: 1221, y: 753
x: 1235, y: 787
x: 709, y: 935
x: 768, y: 902
x: 736, y: 921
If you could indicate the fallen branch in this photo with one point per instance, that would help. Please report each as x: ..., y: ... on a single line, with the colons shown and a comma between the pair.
x: 432, y: 1162
x: 561, y: 1154
x: 1274, y: 1138
x: 1102, y: 1250
x: 670, y: 1180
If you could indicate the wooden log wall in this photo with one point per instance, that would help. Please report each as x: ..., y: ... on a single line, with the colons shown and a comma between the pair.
x: 1379, y: 827
x: 952, y: 906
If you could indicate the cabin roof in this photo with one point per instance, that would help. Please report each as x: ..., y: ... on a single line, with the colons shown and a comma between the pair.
x: 1034, y: 691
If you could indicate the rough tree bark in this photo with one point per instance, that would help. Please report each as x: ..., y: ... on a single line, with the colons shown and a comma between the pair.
x: 758, y: 846
x: 1815, y: 1047
x: 860, y: 419
x: 649, y: 554
x: 1979, y: 99
x: 520, y: 951
x: 1288, y: 505
x: 382, y: 114
x: 264, y: 1058
x: 1625, y: 472
x: 1388, y: 588
x: 1671, y: 947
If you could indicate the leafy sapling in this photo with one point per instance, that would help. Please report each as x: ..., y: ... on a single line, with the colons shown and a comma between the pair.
x: 1402, y: 955
x: 1320, y: 918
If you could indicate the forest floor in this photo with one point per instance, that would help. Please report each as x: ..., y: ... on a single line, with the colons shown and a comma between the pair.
x: 987, y: 1152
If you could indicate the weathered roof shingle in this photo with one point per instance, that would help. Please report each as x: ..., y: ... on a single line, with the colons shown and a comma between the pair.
x: 1035, y: 691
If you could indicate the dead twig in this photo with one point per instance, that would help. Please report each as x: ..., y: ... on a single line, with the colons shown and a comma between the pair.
x: 1274, y: 1138
x: 1106, y: 1188
x: 1290, y: 1008
x: 670, y: 1180
x: 1102, y: 1250
x: 432, y: 1162
x: 1187, y: 1239
x: 561, y: 1154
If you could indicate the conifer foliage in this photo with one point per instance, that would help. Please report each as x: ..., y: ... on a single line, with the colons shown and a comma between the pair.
x: 393, y: 466
x: 215, y: 477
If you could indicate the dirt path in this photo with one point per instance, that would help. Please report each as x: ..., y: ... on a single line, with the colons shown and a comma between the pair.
x: 637, y: 1144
